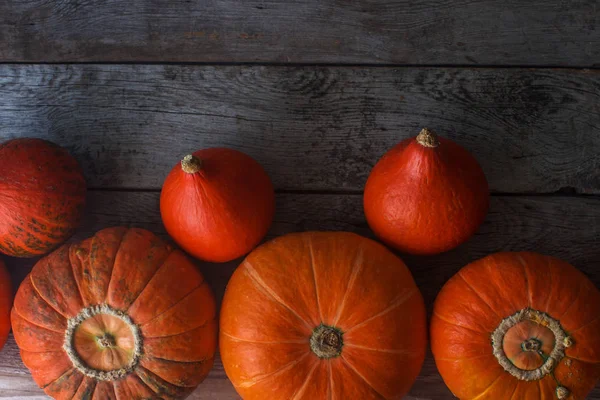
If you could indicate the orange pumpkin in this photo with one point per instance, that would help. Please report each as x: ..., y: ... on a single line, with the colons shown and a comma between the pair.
x: 427, y: 195
x: 118, y: 316
x: 42, y: 196
x: 5, y: 303
x: 322, y: 315
x: 217, y: 204
x: 518, y: 326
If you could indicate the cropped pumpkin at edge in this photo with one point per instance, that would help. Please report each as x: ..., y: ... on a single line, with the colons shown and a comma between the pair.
x: 217, y: 204
x: 5, y: 303
x: 518, y: 324
x: 313, y: 313
x: 426, y: 195
x: 119, y: 314
x: 42, y: 196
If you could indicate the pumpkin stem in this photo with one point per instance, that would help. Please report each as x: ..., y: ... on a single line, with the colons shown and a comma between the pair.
x: 326, y: 341
x: 428, y: 138
x: 107, y: 341
x: 191, y: 164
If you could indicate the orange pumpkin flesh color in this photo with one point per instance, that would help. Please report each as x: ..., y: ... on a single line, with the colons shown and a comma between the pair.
x: 217, y: 204
x: 322, y: 315
x: 426, y: 195
x: 518, y: 326
x: 42, y: 196
x: 5, y: 303
x: 118, y: 316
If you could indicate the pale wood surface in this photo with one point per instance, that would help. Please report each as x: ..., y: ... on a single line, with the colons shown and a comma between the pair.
x: 313, y: 128
x: 563, y: 226
x: 424, y: 32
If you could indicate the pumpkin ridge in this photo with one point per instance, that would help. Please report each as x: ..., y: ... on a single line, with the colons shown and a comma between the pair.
x: 151, y: 278
x: 463, y: 359
x: 514, y: 391
x: 143, y: 382
x: 176, y: 304
x: 551, y: 279
x: 42, y: 297
x: 112, y: 270
x: 585, y: 325
x: 330, y: 392
x: 353, y: 369
x: 314, y: 273
x: 254, y: 277
x: 581, y: 283
x: 236, y: 339
x: 395, y: 304
x: 390, y: 351
x: 280, y: 370
x: 75, y: 279
x: 69, y: 371
x: 302, y: 388
x: 489, y: 387
x: 455, y: 324
x: 33, y: 323
x: 171, y: 383
x: 356, y: 268
x: 203, y: 324
x: 180, y: 362
x: 477, y: 294
x: 527, y: 284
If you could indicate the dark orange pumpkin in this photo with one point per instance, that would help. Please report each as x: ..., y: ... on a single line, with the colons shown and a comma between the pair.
x: 217, y: 204
x: 5, y: 303
x: 42, y: 196
x: 518, y: 326
x: 322, y: 315
x: 118, y: 316
x: 427, y: 195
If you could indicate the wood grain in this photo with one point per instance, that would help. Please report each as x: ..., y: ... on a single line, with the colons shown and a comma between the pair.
x: 426, y: 32
x: 313, y: 128
x: 563, y: 226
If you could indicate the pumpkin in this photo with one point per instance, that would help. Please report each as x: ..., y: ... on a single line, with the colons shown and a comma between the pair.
x: 518, y: 326
x: 217, y: 204
x: 121, y: 315
x: 322, y: 315
x: 426, y: 195
x: 42, y: 196
x: 5, y: 303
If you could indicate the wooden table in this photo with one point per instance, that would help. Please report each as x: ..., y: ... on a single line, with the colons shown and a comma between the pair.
x: 317, y: 91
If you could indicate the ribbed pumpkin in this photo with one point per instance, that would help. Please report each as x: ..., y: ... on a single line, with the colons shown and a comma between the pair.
x: 5, y: 303
x: 518, y: 326
x: 42, y: 196
x: 426, y: 195
x: 118, y: 316
x: 328, y: 315
x: 217, y: 204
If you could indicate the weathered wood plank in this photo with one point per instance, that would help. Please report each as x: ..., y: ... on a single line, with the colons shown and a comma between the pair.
x: 427, y: 32
x: 563, y: 226
x: 313, y: 128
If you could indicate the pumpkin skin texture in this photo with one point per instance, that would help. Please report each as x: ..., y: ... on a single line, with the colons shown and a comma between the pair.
x: 217, y: 204
x: 121, y: 315
x: 42, y: 196
x: 5, y: 304
x: 322, y: 315
x: 518, y: 324
x: 426, y: 195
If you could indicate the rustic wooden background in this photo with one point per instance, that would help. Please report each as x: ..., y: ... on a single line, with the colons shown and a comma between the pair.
x: 317, y: 91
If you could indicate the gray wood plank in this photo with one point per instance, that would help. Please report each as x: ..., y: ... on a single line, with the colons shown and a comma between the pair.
x: 563, y: 226
x: 313, y: 128
x: 426, y: 32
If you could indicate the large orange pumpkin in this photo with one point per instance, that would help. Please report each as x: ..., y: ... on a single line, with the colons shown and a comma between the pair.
x: 5, y: 303
x: 328, y: 315
x: 518, y: 326
x: 217, y: 204
x: 42, y: 196
x: 426, y: 195
x: 118, y: 316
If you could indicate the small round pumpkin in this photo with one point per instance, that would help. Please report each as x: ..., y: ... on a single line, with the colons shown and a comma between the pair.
x: 322, y: 315
x: 426, y: 195
x: 217, y: 204
x: 42, y: 196
x: 5, y: 303
x: 518, y: 325
x: 118, y: 316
